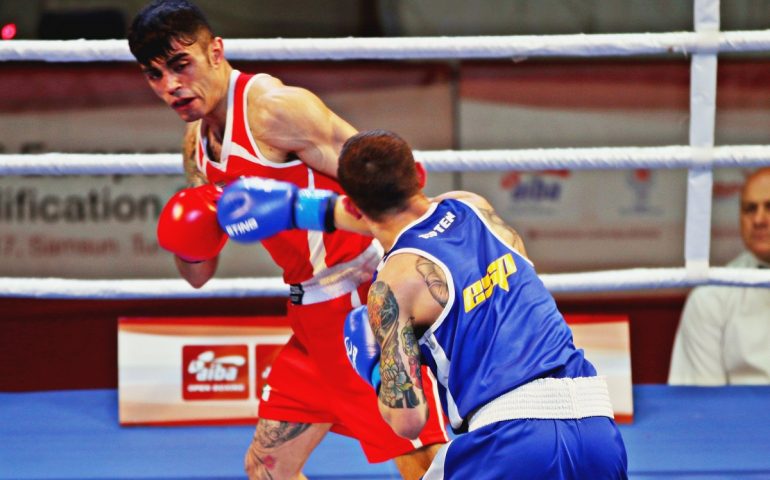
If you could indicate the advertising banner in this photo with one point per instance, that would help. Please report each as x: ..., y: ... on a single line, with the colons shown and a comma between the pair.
x: 606, y: 341
x: 214, y: 370
x: 193, y: 371
x: 98, y: 227
x: 577, y: 220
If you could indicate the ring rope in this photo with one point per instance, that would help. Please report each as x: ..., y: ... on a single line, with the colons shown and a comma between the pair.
x: 395, y: 48
x: 670, y: 157
x: 697, y: 157
x: 604, y: 281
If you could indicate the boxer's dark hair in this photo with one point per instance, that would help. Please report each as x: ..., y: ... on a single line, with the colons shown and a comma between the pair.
x: 377, y: 171
x: 160, y: 23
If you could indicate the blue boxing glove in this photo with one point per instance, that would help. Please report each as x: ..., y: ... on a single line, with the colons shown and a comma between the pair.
x: 362, y: 349
x: 252, y: 209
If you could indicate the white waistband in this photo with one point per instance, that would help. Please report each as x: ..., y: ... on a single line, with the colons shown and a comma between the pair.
x: 555, y: 398
x: 342, y: 278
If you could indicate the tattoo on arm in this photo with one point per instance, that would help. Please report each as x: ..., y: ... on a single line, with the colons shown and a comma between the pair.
x: 412, y: 352
x: 503, y: 229
x: 194, y: 176
x: 401, y: 384
x: 434, y: 279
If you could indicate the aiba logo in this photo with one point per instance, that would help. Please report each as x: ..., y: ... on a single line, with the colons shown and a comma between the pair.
x: 215, y: 372
x: 535, y: 187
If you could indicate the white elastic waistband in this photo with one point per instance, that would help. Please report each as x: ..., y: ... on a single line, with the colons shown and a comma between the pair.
x: 338, y: 280
x: 554, y: 398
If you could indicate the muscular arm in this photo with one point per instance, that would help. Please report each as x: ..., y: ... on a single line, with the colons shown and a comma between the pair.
x: 196, y: 274
x: 505, y: 231
x: 402, y: 298
x: 291, y: 120
x: 193, y: 176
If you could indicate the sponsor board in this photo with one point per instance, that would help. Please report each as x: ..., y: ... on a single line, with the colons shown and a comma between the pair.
x: 195, y: 370
x: 592, y: 220
x: 215, y: 370
x: 606, y: 342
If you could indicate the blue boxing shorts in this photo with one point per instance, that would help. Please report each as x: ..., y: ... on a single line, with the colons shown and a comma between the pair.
x: 535, y: 449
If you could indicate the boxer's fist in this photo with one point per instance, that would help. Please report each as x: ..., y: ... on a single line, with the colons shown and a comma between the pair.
x: 361, y: 347
x: 252, y: 209
x: 188, y: 227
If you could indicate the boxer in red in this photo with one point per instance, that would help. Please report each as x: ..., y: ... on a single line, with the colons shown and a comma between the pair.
x: 254, y: 125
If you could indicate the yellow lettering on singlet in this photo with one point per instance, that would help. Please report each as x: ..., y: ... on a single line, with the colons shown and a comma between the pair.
x: 497, y: 274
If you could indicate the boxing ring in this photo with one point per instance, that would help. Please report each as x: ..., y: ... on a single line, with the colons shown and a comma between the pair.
x: 678, y: 432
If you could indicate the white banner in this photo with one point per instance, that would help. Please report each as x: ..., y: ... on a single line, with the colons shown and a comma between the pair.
x: 584, y: 220
x: 104, y: 227
x: 97, y: 227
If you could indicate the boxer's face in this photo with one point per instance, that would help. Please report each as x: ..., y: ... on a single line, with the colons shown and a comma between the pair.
x: 189, y: 79
x: 755, y: 214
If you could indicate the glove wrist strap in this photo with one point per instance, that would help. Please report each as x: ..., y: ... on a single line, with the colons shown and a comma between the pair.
x: 314, y: 210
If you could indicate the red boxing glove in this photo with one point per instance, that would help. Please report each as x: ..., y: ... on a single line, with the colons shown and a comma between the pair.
x: 188, y: 227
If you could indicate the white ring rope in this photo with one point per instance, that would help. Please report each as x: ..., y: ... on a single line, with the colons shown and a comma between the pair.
x: 67, y: 288
x: 670, y: 157
x: 394, y: 48
x: 604, y: 281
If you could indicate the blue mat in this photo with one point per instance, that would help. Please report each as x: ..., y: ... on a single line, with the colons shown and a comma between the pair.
x: 678, y: 432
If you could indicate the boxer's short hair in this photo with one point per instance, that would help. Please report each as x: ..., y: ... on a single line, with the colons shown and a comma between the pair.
x: 377, y: 171
x: 160, y: 23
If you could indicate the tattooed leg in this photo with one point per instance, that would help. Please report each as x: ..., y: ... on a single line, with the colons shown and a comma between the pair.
x: 280, y: 449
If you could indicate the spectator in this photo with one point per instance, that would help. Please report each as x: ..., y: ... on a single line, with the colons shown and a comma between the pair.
x: 724, y: 332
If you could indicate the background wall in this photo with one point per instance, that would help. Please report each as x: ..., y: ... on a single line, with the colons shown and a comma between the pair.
x: 304, y: 18
x: 103, y: 227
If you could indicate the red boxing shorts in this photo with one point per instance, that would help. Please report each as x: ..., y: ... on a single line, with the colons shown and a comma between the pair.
x: 312, y: 381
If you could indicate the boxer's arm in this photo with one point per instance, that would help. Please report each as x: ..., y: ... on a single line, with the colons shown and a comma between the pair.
x: 293, y: 119
x: 394, y: 311
x: 194, y: 177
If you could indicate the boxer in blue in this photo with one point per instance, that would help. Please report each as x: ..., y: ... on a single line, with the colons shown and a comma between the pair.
x: 457, y: 292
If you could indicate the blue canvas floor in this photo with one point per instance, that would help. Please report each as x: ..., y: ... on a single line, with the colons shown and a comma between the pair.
x: 679, y: 432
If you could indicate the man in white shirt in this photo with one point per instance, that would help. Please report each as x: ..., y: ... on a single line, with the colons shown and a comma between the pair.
x: 724, y: 333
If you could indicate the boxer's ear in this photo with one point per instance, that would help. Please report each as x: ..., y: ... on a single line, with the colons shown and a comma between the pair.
x: 350, y: 207
x: 422, y: 175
